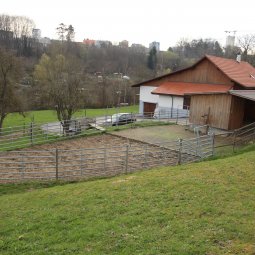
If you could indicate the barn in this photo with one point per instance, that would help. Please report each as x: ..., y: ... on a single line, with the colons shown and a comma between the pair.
x: 217, y: 91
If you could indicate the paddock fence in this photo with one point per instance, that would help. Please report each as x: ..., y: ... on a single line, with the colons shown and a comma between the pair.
x: 59, y: 164
x: 37, y: 133
x: 238, y: 137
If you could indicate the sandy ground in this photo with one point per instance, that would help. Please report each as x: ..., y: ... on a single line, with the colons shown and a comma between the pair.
x: 157, y: 134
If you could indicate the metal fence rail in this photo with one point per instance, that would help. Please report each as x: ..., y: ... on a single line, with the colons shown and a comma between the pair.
x: 37, y: 133
x: 99, y: 162
x: 239, y: 137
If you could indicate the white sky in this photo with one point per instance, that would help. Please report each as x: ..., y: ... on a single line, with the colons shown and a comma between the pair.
x: 139, y: 21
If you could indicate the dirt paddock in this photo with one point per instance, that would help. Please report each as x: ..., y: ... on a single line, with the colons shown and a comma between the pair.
x: 95, y: 156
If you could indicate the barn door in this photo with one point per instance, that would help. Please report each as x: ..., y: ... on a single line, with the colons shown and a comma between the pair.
x: 148, y: 109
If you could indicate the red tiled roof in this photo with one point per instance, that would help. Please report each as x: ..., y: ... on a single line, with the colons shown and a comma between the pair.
x: 183, y: 88
x: 242, y: 73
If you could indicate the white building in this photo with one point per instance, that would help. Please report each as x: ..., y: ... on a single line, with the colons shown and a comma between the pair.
x: 36, y: 33
x: 230, y: 41
x: 154, y: 44
x: 45, y: 41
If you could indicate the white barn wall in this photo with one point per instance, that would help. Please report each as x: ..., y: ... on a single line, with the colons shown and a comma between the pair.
x: 162, y: 101
x: 166, y: 102
x: 146, y: 96
x: 178, y: 102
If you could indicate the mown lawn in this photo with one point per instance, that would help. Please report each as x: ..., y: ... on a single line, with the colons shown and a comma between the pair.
x: 202, y: 208
x: 44, y: 116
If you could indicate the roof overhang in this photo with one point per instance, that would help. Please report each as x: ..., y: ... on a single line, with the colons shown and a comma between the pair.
x: 188, y: 88
x: 247, y: 94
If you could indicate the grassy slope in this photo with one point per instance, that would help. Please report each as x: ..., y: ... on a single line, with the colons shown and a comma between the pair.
x: 203, y: 208
x: 45, y: 116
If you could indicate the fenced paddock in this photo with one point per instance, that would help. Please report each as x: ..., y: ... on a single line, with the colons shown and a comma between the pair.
x: 119, y: 157
x: 38, y: 133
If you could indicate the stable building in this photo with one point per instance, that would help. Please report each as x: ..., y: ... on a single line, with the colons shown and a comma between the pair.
x: 217, y: 91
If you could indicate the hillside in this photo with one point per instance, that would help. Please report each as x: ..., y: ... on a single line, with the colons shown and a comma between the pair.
x: 203, y: 208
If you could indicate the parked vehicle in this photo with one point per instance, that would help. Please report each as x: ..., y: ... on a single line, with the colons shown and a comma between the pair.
x: 121, y: 119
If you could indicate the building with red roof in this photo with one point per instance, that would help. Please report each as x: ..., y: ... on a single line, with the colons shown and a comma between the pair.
x: 89, y: 42
x: 212, y: 89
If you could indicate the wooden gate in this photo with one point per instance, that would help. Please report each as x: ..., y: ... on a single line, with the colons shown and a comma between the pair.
x: 148, y: 109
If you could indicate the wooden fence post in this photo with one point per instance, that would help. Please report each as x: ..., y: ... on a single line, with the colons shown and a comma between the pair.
x: 81, y: 167
x: 213, y: 144
x: 126, y: 159
x: 234, y: 142
x: 180, y: 152
x: 145, y: 155
x: 177, y: 116
x: 198, y: 147
x: 31, y: 133
x: 22, y: 166
x: 105, y: 159
x: 56, y: 164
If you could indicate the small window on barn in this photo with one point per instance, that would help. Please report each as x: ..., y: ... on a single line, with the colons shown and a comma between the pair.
x: 186, y: 102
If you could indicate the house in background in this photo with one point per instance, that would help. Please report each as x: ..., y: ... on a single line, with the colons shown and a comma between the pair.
x: 219, y: 92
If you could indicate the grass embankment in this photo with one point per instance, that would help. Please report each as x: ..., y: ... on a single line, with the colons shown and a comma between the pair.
x: 202, y: 208
x: 44, y: 116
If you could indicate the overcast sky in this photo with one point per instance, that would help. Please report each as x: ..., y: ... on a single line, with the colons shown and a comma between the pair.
x: 139, y: 21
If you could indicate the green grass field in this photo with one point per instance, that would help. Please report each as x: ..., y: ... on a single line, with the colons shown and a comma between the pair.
x: 44, y: 116
x: 203, y: 208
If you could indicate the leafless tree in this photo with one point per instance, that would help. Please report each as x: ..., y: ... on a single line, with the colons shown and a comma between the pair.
x: 59, y: 82
x: 61, y: 31
x: 247, y: 44
x: 19, y: 25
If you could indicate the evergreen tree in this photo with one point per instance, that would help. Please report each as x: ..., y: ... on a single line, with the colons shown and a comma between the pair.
x: 152, y: 59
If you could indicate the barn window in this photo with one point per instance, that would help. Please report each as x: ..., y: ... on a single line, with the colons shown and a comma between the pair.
x: 186, y: 102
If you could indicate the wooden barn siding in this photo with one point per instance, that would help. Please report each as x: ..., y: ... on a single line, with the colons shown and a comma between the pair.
x: 236, y: 113
x: 219, y: 110
x: 204, y: 72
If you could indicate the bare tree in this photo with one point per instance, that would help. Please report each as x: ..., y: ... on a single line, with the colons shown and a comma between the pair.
x: 61, y: 31
x: 70, y: 33
x: 247, y: 44
x: 59, y: 81
x: 19, y: 25
x: 5, y: 22
x: 10, y: 72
